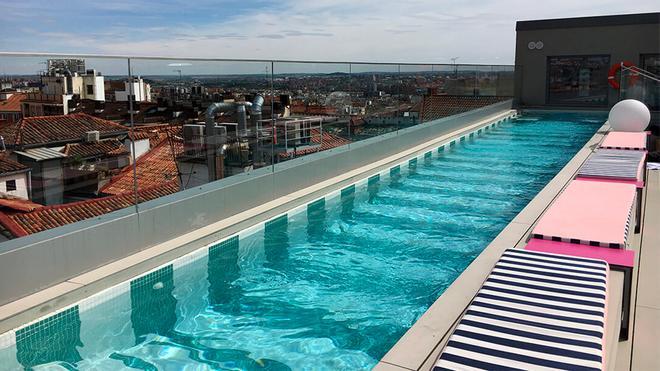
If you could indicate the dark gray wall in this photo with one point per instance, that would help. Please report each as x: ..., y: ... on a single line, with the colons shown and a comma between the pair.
x: 620, y: 37
x: 35, y: 262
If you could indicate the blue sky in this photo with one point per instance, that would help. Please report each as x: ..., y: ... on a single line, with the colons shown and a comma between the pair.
x: 359, y: 30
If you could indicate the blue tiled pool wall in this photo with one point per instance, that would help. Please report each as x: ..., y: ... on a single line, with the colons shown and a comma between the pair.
x: 149, y: 298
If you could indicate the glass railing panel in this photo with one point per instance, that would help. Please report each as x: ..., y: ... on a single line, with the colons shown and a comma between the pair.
x: 417, y: 82
x: 62, y: 138
x: 504, y: 78
x: 454, y: 89
x: 642, y: 85
x: 125, y: 131
x: 320, y: 102
x: 378, y: 89
x: 173, y: 98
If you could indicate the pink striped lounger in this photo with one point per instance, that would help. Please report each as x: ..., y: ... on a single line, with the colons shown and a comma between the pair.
x: 589, y: 213
x: 625, y: 140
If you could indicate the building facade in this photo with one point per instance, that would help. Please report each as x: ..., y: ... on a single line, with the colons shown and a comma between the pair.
x: 138, y: 88
x: 566, y: 62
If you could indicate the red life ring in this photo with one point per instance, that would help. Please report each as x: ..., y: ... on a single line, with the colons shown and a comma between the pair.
x: 611, y: 75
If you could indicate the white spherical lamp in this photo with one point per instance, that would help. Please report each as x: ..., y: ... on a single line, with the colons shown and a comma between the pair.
x: 629, y: 115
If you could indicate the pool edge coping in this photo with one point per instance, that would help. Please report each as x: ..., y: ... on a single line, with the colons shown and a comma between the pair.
x: 47, y: 302
x: 418, y: 347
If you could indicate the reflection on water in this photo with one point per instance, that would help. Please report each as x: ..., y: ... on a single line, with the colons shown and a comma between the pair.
x: 153, y: 307
x: 52, y: 340
x: 224, y: 294
x: 276, y: 242
x: 316, y: 220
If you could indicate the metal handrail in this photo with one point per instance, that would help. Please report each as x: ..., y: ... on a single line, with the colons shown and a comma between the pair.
x: 642, y: 72
x: 202, y: 59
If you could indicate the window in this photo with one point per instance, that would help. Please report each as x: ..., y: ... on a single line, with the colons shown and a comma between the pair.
x: 650, y: 93
x: 90, y: 89
x: 578, y: 80
x: 10, y: 185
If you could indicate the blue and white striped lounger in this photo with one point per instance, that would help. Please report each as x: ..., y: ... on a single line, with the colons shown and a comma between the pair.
x: 535, y: 311
x: 614, y: 164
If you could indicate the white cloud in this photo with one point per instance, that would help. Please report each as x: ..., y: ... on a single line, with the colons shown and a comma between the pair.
x: 369, y: 30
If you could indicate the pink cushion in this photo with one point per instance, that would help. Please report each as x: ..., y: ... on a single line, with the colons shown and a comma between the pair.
x: 588, y: 212
x: 620, y: 257
x: 625, y: 140
x: 637, y: 183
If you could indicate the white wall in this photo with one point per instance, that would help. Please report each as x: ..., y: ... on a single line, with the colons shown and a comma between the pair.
x: 99, y: 87
x: 21, y: 185
x: 141, y: 90
x: 141, y: 147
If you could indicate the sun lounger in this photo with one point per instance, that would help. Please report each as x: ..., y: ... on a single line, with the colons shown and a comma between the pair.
x: 618, y: 260
x: 625, y: 140
x: 612, y: 164
x: 589, y: 213
x: 535, y: 310
x: 618, y: 166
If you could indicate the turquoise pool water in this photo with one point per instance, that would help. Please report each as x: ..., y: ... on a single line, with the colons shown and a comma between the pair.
x: 333, y: 287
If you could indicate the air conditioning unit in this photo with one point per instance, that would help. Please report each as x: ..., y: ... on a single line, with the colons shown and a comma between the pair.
x: 92, y: 136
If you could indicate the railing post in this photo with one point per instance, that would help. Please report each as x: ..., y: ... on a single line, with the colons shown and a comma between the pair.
x: 350, y: 88
x: 132, y: 136
x: 272, y: 116
x: 621, y: 95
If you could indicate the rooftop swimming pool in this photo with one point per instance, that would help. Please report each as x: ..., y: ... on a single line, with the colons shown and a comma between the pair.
x: 333, y: 286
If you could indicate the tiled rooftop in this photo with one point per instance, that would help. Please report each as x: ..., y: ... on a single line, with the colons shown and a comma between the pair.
x: 107, y: 147
x: 8, y: 165
x: 329, y: 141
x: 438, y: 106
x: 152, y: 169
x: 17, y: 203
x: 51, y: 130
x: 13, y: 103
x: 47, y: 217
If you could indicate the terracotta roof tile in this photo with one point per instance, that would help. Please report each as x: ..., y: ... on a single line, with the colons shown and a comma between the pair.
x: 13, y: 103
x: 19, y: 204
x: 439, y: 106
x: 107, y: 147
x: 47, y: 217
x: 43, y: 130
x: 329, y: 141
x: 152, y: 169
x: 8, y: 165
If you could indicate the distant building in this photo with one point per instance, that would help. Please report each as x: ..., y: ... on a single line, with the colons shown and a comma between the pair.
x: 140, y: 90
x: 62, y: 66
x: 10, y: 107
x: 14, y: 178
x: 69, y: 155
x: 39, y: 104
x: 60, y: 90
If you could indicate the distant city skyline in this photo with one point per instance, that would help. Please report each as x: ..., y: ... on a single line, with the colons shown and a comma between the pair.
x: 424, y: 31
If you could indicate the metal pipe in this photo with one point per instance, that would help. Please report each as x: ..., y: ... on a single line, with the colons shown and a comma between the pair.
x: 255, y: 112
x: 211, y: 139
x: 241, y: 117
